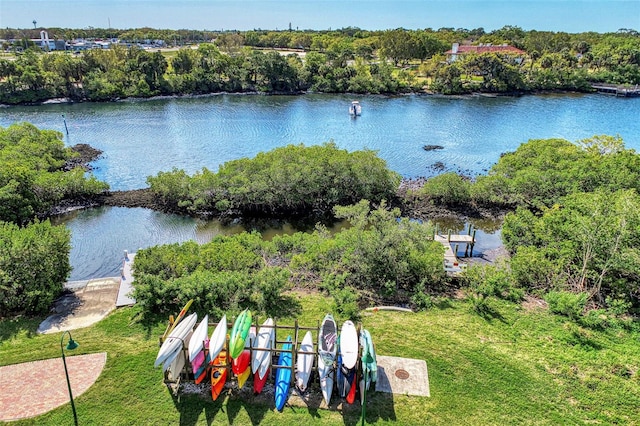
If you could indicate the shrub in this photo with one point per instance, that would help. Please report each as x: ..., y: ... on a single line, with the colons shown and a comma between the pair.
x: 565, y: 303
x: 447, y: 188
x: 34, y: 265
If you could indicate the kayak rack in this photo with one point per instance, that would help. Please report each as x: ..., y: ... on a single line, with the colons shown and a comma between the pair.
x: 293, y: 330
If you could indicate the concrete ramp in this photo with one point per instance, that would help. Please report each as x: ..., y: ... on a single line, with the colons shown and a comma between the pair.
x: 86, y: 303
x: 126, y: 279
x: 403, y: 376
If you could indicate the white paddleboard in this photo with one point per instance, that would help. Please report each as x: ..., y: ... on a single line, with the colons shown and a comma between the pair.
x: 327, y: 374
x: 349, y: 344
x: 218, y: 338
x: 264, y: 340
x: 196, y: 343
x: 175, y: 340
x: 304, y: 362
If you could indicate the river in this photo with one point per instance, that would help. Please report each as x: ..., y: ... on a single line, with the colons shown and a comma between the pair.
x: 140, y: 138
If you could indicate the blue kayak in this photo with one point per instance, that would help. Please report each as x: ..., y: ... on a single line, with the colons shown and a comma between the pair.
x: 283, y: 375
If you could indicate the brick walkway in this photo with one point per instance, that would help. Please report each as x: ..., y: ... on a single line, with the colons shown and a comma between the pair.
x: 33, y: 388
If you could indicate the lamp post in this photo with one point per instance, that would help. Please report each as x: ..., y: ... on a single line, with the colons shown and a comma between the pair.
x: 71, y: 345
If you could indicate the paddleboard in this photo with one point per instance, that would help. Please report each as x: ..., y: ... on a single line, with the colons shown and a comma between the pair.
x: 173, y: 325
x: 304, y: 362
x: 239, y: 333
x: 326, y: 374
x: 368, y: 358
x: 174, y: 340
x: 262, y: 358
x: 203, y: 361
x: 196, y: 343
x: 349, y: 344
x: 218, y: 374
x: 328, y: 340
x: 175, y: 368
x: 351, y: 396
x: 341, y: 381
x: 327, y: 350
x: 283, y: 375
x: 218, y: 338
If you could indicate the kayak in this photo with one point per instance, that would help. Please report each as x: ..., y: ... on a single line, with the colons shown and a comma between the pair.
x: 283, y: 375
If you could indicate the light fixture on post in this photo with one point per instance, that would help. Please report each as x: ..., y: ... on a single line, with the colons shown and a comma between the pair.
x: 71, y: 345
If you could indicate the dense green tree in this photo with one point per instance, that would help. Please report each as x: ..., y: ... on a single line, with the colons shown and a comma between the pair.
x: 31, y: 176
x: 289, y: 180
x: 34, y: 264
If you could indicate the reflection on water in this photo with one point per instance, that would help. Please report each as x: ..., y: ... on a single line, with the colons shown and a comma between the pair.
x: 100, y: 235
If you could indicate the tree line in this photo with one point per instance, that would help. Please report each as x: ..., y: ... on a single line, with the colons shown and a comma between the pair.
x: 346, y: 60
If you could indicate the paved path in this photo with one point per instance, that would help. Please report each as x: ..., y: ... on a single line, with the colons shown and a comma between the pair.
x: 33, y: 388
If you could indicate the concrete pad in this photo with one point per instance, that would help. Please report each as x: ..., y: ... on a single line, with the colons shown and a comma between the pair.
x: 82, y: 306
x: 404, y: 376
x: 126, y: 279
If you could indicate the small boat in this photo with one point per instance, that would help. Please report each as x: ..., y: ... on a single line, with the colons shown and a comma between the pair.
x: 218, y: 374
x: 355, y: 108
x: 259, y: 382
x: 241, y: 366
x: 283, y: 375
x: 239, y: 333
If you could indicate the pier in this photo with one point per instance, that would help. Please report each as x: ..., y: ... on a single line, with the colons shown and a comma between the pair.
x: 617, y: 90
x: 451, y: 242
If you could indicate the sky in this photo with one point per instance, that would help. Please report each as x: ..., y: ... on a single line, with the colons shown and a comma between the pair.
x: 571, y: 16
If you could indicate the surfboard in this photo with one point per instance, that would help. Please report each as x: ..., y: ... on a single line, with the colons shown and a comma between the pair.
x: 173, y: 325
x: 327, y: 350
x: 174, y: 341
x: 218, y: 338
x: 197, y: 344
x: 239, y: 333
x: 283, y: 375
x: 349, y: 344
x: 218, y: 374
x: 304, y: 362
x: 262, y: 358
x: 328, y: 340
x: 326, y: 374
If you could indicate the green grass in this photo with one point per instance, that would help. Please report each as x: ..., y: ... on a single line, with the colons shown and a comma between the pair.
x: 512, y: 367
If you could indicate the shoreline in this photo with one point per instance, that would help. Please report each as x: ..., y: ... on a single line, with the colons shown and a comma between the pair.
x: 471, y: 95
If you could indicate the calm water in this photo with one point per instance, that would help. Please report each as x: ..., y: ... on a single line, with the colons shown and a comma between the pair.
x: 141, y: 138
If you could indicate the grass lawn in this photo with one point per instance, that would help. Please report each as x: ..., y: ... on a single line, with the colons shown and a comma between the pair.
x: 512, y: 367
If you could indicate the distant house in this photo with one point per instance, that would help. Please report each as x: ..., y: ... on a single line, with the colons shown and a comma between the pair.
x: 465, y: 49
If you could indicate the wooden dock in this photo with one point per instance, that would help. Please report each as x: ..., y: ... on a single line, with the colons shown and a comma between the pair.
x: 617, y: 90
x: 450, y: 242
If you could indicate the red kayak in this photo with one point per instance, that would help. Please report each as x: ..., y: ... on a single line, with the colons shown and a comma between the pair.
x: 258, y: 383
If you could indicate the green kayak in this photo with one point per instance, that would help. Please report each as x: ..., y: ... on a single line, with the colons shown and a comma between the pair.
x: 239, y: 333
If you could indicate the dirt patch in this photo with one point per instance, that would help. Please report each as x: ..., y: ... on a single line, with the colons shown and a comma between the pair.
x: 531, y: 303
